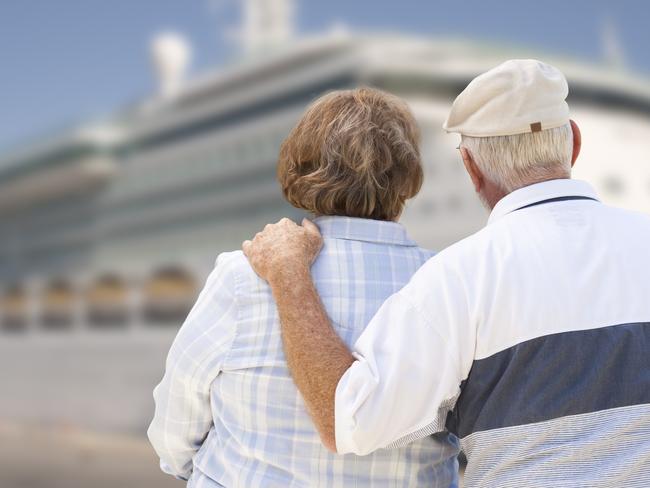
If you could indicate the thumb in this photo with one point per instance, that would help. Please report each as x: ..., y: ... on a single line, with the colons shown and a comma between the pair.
x: 246, y: 245
x: 310, y: 227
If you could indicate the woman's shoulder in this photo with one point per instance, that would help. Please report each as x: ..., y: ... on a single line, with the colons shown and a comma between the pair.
x: 235, y: 266
x: 231, y: 260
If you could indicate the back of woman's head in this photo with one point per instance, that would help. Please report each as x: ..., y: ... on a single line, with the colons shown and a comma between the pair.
x: 353, y: 153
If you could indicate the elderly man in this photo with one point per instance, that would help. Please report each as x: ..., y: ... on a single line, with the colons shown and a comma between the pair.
x: 529, y: 339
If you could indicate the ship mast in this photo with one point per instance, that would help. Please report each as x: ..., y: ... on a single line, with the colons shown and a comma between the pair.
x: 266, y: 24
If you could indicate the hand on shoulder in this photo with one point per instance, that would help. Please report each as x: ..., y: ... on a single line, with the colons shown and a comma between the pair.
x: 283, y: 248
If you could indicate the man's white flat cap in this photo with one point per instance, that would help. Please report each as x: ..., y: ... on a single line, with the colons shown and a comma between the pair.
x: 518, y: 96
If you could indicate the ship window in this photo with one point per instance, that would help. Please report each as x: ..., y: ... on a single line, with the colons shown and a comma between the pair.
x: 58, y: 304
x: 454, y: 202
x: 107, y: 303
x: 613, y: 185
x: 168, y: 297
x: 14, y: 310
x: 427, y: 206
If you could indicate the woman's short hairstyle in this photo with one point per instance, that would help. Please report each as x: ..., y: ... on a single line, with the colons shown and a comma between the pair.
x: 353, y: 153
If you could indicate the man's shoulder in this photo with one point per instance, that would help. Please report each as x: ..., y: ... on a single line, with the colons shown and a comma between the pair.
x: 454, y: 266
x: 634, y: 218
x: 466, y: 250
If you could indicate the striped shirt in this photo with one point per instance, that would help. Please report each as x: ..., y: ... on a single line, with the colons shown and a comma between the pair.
x: 227, y: 412
x: 529, y: 339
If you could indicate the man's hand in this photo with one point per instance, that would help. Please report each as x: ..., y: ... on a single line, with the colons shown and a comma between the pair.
x: 284, y: 247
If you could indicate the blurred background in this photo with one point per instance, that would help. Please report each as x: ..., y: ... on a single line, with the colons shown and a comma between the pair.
x: 139, y: 139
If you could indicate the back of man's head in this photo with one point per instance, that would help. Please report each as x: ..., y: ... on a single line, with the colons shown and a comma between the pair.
x: 515, y: 161
x: 514, y: 124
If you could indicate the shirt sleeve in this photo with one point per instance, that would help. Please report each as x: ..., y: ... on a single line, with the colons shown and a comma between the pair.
x: 410, y: 361
x: 182, y: 417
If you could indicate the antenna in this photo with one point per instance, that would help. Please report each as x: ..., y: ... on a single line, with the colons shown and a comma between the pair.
x: 612, y: 46
x: 267, y: 24
x: 170, y: 54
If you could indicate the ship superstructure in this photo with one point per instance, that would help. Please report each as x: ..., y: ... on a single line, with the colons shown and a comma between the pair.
x: 109, y: 229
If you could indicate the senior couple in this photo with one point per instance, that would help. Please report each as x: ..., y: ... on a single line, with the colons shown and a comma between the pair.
x: 339, y: 353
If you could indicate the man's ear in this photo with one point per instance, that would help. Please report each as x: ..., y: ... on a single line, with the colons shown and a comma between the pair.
x: 472, y: 169
x: 577, y: 142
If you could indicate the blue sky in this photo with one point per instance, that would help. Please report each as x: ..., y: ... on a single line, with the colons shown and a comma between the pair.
x: 69, y: 60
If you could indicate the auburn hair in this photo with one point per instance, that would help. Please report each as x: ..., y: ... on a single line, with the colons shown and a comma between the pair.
x: 353, y: 153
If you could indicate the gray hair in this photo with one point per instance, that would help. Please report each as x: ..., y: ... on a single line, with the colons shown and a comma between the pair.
x: 515, y: 161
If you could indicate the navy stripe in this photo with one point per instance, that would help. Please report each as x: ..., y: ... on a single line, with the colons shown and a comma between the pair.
x: 556, y: 199
x: 554, y: 376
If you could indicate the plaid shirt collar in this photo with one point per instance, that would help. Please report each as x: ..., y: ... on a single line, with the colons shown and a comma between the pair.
x: 367, y: 230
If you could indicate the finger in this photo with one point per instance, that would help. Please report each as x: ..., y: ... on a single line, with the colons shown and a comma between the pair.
x: 310, y: 227
x: 246, y: 246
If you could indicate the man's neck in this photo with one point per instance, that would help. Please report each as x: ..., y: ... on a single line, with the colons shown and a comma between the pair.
x: 495, y: 194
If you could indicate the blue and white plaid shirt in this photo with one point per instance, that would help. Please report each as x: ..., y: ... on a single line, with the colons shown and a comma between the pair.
x: 228, y: 413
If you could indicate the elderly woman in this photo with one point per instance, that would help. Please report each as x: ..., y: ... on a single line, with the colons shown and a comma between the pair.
x: 227, y: 412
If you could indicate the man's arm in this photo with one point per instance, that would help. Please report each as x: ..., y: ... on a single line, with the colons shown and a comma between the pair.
x: 316, y: 356
x: 183, y: 416
x: 308, y: 338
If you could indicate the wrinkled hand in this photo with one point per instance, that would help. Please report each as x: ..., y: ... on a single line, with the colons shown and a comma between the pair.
x: 283, y: 248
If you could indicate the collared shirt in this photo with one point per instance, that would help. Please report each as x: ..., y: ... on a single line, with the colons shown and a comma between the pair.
x: 529, y: 339
x: 227, y: 411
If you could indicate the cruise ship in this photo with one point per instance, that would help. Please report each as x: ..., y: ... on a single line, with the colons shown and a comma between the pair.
x: 109, y: 229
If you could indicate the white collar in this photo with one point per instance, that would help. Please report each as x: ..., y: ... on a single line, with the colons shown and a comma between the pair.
x: 539, y: 192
